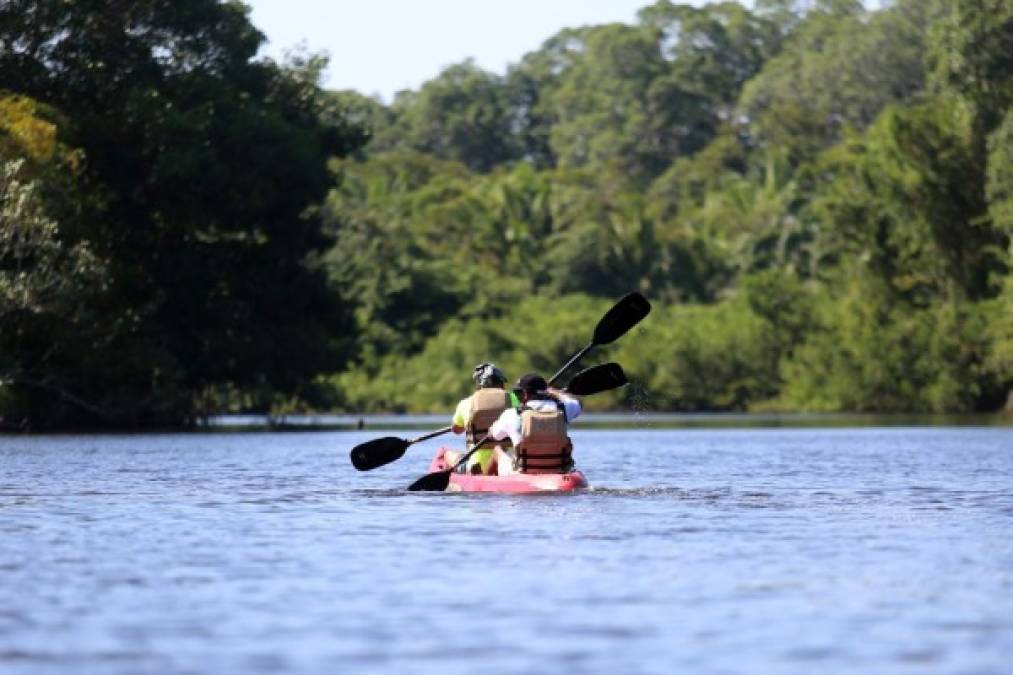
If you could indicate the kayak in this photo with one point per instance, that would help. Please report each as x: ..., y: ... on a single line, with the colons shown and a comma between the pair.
x: 514, y: 483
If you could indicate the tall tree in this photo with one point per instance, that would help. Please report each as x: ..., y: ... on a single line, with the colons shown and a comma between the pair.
x: 712, y: 51
x: 907, y: 198
x: 531, y: 84
x: 839, y: 68
x: 972, y: 53
x: 462, y: 114
x: 199, y: 166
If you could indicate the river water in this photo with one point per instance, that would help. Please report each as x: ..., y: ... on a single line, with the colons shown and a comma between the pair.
x: 859, y: 550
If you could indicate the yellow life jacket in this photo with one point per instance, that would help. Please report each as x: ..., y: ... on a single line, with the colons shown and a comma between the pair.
x: 486, y: 406
x: 544, y: 446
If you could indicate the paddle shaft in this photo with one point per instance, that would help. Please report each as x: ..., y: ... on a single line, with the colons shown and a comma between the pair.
x: 434, y: 434
x: 576, y: 357
x: 625, y: 314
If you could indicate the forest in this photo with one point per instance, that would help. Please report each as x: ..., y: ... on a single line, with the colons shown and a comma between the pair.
x: 816, y: 197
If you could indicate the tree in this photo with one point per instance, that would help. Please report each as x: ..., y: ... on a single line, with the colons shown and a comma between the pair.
x: 871, y: 353
x: 600, y: 109
x: 999, y: 193
x: 531, y: 84
x: 199, y: 166
x: 380, y: 262
x: 907, y: 199
x: 838, y: 68
x: 463, y: 115
x: 633, y: 99
x: 971, y: 52
x: 712, y: 51
x: 369, y: 114
x: 45, y: 288
x: 999, y: 178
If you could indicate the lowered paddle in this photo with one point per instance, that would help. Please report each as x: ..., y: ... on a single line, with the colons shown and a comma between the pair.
x: 376, y: 453
x: 623, y: 316
x: 369, y: 455
x: 591, y: 381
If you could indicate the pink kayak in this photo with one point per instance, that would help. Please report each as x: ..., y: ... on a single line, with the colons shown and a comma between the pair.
x: 514, y: 483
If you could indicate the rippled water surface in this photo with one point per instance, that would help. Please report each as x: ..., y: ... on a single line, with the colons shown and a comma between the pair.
x: 876, y: 550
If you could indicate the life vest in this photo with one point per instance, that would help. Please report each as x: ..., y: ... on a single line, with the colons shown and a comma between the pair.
x: 486, y: 406
x: 544, y: 445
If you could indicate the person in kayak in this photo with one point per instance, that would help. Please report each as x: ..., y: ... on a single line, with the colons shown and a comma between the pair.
x: 475, y: 413
x: 536, y: 429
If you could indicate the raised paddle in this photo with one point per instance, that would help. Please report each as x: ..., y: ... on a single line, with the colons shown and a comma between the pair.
x: 372, y: 454
x: 623, y: 316
x: 597, y: 379
x: 606, y: 376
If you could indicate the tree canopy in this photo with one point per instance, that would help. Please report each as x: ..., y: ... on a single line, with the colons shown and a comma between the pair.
x: 815, y: 189
x: 196, y: 168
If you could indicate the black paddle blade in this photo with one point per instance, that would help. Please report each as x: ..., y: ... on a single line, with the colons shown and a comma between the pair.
x: 626, y: 314
x: 597, y: 379
x: 432, y: 482
x: 376, y: 453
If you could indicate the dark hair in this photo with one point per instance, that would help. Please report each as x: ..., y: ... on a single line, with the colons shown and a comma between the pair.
x: 532, y: 383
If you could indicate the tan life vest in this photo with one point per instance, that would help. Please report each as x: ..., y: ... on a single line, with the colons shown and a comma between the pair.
x: 544, y: 446
x: 486, y: 406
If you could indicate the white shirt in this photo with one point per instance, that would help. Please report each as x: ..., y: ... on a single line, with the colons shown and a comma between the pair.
x: 509, y: 422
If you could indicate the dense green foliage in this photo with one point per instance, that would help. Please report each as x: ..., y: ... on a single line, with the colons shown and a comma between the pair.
x: 817, y: 201
x: 195, y: 169
x: 817, y: 198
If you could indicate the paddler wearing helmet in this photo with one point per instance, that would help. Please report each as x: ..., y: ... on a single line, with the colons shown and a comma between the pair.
x: 475, y: 413
x: 536, y: 429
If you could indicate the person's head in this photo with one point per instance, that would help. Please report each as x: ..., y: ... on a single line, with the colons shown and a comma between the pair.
x: 531, y: 385
x: 486, y: 376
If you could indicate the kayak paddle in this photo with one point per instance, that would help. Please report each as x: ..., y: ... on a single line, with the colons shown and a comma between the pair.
x: 373, y: 454
x: 597, y: 379
x: 370, y: 455
x: 623, y: 316
x: 593, y: 380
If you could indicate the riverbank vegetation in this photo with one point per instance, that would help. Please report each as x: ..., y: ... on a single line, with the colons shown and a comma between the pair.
x: 818, y: 201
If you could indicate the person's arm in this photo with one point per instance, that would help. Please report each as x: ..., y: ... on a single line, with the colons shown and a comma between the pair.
x: 460, y: 420
x: 507, y: 424
x: 571, y: 404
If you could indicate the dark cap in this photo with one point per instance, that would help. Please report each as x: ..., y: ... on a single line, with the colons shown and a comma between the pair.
x: 532, y: 382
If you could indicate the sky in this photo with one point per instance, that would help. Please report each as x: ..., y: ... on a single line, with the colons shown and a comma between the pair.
x: 379, y: 47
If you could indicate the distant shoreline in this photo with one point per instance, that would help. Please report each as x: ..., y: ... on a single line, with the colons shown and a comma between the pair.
x: 619, y: 420
x: 403, y: 422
